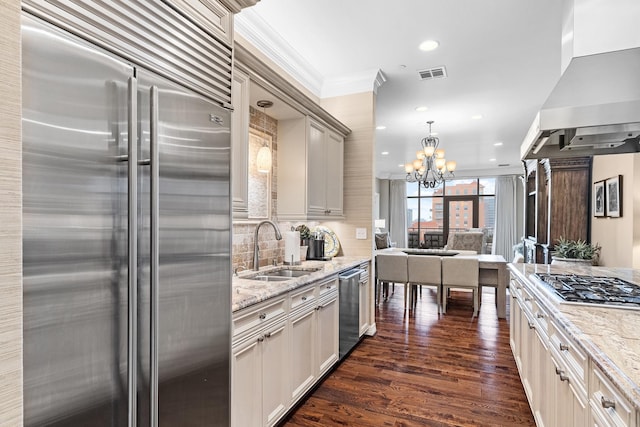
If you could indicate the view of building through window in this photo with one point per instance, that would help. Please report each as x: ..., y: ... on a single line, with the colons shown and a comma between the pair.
x: 457, y: 205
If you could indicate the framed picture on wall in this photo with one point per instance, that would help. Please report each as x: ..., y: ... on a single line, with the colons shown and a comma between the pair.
x: 613, y: 196
x: 599, y: 199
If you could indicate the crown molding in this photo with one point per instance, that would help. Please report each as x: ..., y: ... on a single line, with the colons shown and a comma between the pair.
x: 236, y: 6
x: 365, y: 81
x: 260, y: 34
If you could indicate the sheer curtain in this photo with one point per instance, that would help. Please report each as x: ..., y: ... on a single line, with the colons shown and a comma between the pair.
x: 398, y: 212
x: 505, y: 234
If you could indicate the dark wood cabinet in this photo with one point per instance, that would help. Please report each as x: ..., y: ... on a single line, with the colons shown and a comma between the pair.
x: 557, y: 204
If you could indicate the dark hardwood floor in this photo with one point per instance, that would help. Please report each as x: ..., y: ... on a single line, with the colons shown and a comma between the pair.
x: 422, y: 369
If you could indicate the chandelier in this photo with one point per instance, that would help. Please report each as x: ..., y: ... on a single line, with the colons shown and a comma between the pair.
x: 430, y: 168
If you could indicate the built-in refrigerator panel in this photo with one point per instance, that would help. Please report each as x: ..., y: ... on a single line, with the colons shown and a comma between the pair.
x: 74, y: 227
x: 194, y: 316
x: 81, y: 306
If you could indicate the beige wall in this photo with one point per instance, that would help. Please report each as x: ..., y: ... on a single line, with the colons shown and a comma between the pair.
x: 10, y: 217
x: 619, y: 237
x: 358, y: 113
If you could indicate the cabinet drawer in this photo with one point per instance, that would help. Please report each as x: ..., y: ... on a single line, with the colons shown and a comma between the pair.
x: 302, y: 298
x: 608, y: 403
x: 245, y: 320
x: 328, y: 287
x: 574, y: 359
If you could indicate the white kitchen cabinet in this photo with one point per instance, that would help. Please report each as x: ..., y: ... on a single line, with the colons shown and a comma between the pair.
x: 281, y: 348
x: 314, y: 336
x: 364, y: 299
x: 327, y: 333
x: 608, y: 406
x: 310, y: 170
x: 551, y: 365
x: 240, y: 144
x: 302, y: 351
x: 260, y: 365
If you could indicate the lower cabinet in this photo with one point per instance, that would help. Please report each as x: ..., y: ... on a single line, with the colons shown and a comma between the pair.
x: 279, y: 355
x: 260, y: 395
x: 364, y: 299
x: 551, y: 366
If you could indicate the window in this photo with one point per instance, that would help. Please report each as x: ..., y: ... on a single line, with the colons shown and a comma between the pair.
x: 428, y: 225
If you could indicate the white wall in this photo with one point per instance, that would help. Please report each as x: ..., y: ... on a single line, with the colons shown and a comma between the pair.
x: 619, y: 237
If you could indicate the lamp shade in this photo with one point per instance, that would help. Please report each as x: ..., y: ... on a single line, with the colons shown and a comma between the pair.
x: 263, y: 162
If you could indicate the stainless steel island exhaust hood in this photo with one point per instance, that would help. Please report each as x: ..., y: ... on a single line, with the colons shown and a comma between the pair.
x: 595, y: 106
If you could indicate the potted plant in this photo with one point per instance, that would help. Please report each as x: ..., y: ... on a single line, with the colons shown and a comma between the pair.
x: 575, y: 251
x: 305, y: 235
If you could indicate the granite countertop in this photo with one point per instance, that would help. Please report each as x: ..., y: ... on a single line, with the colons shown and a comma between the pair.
x: 609, y: 335
x: 247, y: 292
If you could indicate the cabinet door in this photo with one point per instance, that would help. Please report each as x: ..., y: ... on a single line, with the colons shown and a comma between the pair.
x: 316, y: 171
x: 275, y: 369
x: 302, y: 364
x: 246, y: 384
x: 334, y: 170
x: 328, y: 337
x: 364, y: 306
x: 240, y: 144
x: 514, y: 325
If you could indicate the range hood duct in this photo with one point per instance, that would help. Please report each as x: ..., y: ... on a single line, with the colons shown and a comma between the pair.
x: 595, y: 106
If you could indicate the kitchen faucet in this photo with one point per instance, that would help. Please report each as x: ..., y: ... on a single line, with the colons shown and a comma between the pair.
x: 256, y: 250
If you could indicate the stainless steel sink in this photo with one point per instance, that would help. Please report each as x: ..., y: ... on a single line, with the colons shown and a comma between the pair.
x: 282, y: 274
x: 287, y: 272
x: 269, y: 278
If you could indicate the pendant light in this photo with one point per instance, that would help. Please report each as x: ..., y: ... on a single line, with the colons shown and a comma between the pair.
x: 263, y: 162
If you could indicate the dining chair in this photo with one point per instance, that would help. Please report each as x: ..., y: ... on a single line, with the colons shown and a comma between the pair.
x: 460, y: 272
x: 424, y: 270
x: 391, y: 268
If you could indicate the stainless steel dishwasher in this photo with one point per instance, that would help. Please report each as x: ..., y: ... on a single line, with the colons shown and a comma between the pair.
x: 349, y: 297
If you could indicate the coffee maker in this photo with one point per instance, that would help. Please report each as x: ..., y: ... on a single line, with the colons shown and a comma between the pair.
x: 316, y: 247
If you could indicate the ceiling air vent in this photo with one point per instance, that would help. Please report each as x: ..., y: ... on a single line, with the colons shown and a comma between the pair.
x: 433, y: 73
x: 502, y: 165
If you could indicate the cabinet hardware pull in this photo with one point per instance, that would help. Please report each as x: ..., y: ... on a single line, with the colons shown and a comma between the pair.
x: 304, y: 298
x: 607, y: 403
x: 267, y: 335
x: 261, y: 338
x: 318, y: 308
x: 527, y: 299
x: 263, y: 316
x: 539, y: 315
x: 563, y: 377
x: 532, y: 325
x: 564, y: 347
x: 558, y: 371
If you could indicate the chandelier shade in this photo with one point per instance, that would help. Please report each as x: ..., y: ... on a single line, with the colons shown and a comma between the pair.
x: 264, y: 160
x: 430, y: 167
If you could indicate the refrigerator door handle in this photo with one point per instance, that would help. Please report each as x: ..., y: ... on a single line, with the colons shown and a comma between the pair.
x: 154, y: 253
x: 132, y: 172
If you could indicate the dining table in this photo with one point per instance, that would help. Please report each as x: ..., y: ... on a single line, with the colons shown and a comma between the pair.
x: 492, y: 271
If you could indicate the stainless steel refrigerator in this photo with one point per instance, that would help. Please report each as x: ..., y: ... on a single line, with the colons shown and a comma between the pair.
x: 126, y: 241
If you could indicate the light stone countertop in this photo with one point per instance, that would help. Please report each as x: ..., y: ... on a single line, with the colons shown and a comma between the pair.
x: 609, y: 335
x: 247, y: 292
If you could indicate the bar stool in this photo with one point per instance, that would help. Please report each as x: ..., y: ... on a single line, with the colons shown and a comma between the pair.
x: 392, y: 268
x: 424, y: 270
x: 460, y: 272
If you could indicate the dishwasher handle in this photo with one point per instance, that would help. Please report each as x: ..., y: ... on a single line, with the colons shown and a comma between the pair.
x: 349, y: 274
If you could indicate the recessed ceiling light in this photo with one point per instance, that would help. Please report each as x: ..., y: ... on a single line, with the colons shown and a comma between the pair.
x: 498, y: 144
x: 476, y: 116
x: 384, y: 153
x: 422, y: 108
x: 428, y: 45
x: 401, y: 165
x: 381, y: 127
x: 492, y: 160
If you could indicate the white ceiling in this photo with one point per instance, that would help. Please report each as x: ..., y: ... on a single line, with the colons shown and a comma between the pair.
x: 502, y: 59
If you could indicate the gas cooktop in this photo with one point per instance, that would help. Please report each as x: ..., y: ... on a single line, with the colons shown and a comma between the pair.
x: 593, y: 289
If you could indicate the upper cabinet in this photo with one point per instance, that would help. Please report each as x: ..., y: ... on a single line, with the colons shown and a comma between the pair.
x: 240, y: 144
x: 310, y: 171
